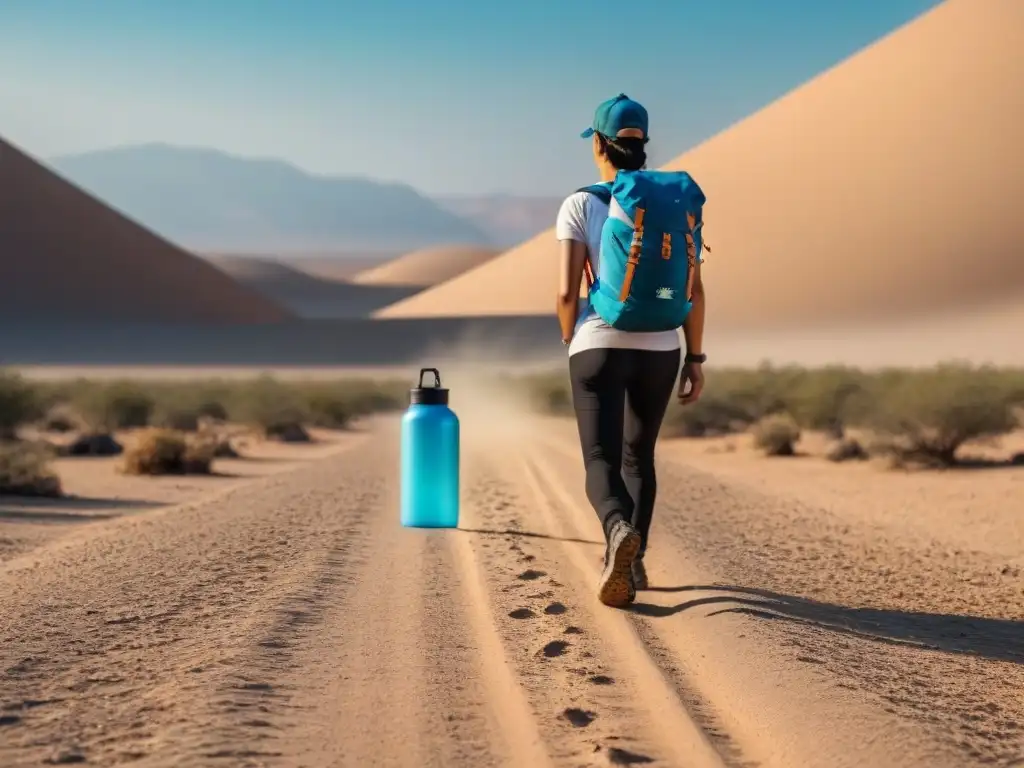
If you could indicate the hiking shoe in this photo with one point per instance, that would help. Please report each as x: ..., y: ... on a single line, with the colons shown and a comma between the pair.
x: 616, y: 585
x: 640, y: 580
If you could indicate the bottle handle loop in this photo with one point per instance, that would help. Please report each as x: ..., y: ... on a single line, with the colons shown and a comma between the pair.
x: 437, y: 376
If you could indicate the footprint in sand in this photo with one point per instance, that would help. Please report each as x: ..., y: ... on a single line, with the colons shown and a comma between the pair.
x: 522, y: 613
x: 555, y: 609
x: 530, y: 575
x: 554, y: 648
x: 617, y: 756
x: 579, y: 718
x: 602, y: 680
x: 571, y: 630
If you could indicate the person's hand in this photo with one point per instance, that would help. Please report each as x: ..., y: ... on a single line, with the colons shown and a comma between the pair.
x: 691, y: 382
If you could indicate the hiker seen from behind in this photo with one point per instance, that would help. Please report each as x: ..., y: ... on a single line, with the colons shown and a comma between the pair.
x: 636, y: 239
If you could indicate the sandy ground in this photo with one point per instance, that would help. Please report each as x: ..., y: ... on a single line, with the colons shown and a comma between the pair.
x: 803, y: 614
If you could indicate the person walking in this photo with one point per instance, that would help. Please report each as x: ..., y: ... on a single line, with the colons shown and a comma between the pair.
x: 637, y: 238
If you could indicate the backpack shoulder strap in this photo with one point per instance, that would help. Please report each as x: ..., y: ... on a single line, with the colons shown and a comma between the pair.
x: 602, y: 192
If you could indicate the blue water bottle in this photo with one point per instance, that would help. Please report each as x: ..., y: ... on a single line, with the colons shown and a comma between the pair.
x: 430, y: 458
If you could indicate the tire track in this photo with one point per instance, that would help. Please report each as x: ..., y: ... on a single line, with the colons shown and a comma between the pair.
x: 133, y: 643
x: 407, y: 669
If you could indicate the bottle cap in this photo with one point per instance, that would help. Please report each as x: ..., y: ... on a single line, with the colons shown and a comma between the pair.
x: 435, y: 395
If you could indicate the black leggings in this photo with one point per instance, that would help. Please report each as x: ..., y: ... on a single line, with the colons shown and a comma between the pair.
x: 620, y: 397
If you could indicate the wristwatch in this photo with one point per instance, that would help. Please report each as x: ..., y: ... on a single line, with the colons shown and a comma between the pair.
x: 692, y: 358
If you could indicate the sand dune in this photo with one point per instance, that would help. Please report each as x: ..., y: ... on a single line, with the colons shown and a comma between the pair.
x: 341, y: 266
x: 888, y: 185
x: 428, y: 266
x: 64, y: 255
x: 310, y: 296
x: 259, y: 269
x: 802, y: 616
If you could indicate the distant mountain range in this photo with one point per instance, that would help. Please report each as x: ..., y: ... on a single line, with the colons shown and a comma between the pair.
x: 507, y: 219
x: 207, y: 200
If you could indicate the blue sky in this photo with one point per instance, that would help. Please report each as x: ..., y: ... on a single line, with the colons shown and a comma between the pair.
x: 452, y: 96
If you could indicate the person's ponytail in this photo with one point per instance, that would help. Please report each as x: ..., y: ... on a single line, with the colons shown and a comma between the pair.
x: 626, y: 153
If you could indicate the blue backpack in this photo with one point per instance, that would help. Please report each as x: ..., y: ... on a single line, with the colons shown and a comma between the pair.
x: 650, y: 245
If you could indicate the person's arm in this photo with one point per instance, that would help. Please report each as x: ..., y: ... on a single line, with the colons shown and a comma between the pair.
x: 691, y: 378
x: 693, y: 326
x: 571, y: 231
x: 570, y: 274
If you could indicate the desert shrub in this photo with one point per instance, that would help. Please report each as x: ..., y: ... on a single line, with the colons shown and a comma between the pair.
x: 177, y: 419
x: 714, y: 414
x: 287, y: 432
x: 18, y: 404
x: 846, y: 449
x: 268, y: 405
x: 185, y: 407
x: 168, y: 452
x: 368, y: 397
x: 222, y: 448
x: 61, y: 418
x: 926, y: 416
x: 25, y: 471
x: 328, y: 407
x: 732, y: 400
x: 828, y: 399
x: 217, y: 444
x: 117, y: 405
x: 776, y: 435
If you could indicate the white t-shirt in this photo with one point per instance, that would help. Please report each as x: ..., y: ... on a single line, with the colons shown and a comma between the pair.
x: 581, y: 218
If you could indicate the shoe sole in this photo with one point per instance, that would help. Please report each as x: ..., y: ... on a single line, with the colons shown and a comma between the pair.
x: 616, y: 581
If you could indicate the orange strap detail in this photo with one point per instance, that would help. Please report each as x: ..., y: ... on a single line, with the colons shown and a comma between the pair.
x: 634, y: 254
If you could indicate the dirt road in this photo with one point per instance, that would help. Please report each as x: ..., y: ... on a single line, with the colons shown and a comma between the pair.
x: 292, y: 622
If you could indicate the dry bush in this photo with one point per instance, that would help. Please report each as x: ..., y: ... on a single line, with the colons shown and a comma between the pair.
x: 924, y: 417
x: 167, y: 452
x: 221, y: 448
x: 287, y: 432
x: 185, y: 406
x: 828, y: 399
x: 359, y: 397
x: 846, y: 449
x: 106, y: 407
x: 328, y: 407
x: 19, y: 404
x: 62, y: 418
x: 25, y: 471
x: 733, y: 400
x: 776, y: 435
x: 711, y: 416
x: 269, y: 406
x: 217, y: 444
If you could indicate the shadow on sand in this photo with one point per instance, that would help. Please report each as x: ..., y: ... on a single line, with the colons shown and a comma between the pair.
x: 529, y: 534
x: 996, y: 639
x: 67, y: 509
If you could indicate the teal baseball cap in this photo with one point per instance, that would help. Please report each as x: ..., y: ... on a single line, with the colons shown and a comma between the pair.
x: 613, y: 118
